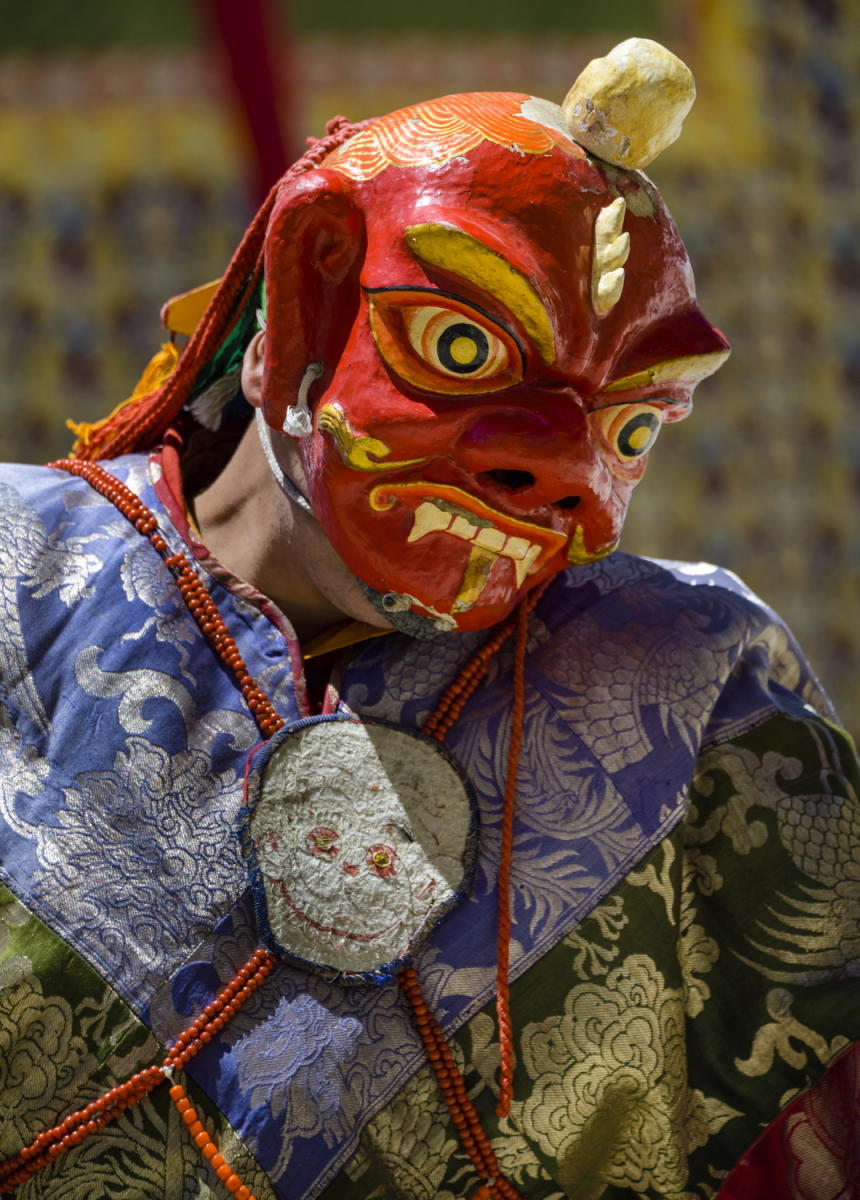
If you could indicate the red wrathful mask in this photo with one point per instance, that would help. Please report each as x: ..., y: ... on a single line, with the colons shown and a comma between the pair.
x: 475, y: 330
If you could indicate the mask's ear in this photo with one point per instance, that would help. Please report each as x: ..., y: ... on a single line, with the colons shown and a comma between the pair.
x: 314, y: 252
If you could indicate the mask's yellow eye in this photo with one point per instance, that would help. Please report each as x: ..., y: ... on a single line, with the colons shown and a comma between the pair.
x: 630, y: 429
x: 443, y: 347
x: 455, y: 345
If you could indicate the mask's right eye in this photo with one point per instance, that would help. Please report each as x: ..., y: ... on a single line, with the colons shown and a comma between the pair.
x: 447, y: 346
x: 456, y: 346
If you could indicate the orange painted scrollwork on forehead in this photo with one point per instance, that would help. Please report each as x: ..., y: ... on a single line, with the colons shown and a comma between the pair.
x: 440, y: 130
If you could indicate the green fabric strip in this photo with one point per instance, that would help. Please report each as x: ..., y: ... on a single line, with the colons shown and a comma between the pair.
x: 67, y: 1038
x: 228, y: 357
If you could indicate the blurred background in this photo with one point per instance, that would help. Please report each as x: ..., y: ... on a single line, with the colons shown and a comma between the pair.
x: 135, y: 140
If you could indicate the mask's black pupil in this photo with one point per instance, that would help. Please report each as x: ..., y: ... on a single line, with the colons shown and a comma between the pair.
x: 463, y: 348
x: 631, y: 442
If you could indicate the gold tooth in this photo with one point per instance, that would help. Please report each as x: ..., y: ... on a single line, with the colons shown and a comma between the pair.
x: 475, y: 578
x: 428, y: 519
x: 577, y: 553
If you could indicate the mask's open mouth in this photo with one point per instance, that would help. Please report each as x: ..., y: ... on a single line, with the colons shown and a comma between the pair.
x: 492, y: 535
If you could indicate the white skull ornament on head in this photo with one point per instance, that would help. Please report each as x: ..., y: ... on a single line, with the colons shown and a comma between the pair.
x: 361, y: 836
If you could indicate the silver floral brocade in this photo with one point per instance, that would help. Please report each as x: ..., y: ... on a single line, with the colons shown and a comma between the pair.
x: 124, y: 742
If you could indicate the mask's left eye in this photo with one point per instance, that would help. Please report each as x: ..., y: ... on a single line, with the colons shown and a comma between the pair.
x: 630, y: 429
x: 449, y: 348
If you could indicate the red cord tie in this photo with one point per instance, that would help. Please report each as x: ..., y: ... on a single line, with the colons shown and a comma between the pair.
x: 448, y: 1075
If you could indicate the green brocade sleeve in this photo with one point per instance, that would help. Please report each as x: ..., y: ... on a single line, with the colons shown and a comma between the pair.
x: 706, y: 992
x: 67, y: 1038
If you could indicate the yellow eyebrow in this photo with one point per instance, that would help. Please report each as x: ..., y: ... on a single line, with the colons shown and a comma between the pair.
x: 458, y: 252
x: 692, y: 369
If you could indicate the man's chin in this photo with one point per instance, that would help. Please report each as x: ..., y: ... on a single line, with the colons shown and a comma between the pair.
x: 398, y: 611
x: 401, y: 611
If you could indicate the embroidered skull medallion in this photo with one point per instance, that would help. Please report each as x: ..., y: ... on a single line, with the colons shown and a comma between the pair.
x: 360, y: 836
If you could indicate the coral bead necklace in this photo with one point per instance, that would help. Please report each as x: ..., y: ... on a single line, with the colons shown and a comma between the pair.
x: 72, y: 1130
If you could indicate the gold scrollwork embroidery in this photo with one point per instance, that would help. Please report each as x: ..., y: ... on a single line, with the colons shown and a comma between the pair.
x: 360, y: 453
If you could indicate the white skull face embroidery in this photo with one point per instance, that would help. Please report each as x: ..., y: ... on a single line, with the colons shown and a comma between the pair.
x: 362, y: 838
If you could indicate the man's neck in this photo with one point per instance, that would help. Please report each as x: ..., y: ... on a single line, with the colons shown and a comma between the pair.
x: 260, y: 535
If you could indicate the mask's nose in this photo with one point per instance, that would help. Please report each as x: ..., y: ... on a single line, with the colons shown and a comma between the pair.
x: 536, y: 456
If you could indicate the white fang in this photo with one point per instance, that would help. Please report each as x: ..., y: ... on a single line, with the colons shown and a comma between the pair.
x: 429, y: 518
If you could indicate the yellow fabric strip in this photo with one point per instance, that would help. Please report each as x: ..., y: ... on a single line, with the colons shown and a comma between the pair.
x: 346, y: 634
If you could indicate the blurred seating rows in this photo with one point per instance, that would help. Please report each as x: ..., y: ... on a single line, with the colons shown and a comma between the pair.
x: 121, y: 183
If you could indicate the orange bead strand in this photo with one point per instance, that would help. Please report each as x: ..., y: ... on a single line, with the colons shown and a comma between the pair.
x: 72, y: 1130
x: 207, y: 1146
x: 193, y: 591
x: 451, y: 1083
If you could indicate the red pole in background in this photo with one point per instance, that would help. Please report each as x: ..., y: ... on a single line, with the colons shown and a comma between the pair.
x: 257, y: 53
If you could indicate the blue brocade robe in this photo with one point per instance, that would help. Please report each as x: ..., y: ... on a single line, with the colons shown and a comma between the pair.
x: 685, y: 880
